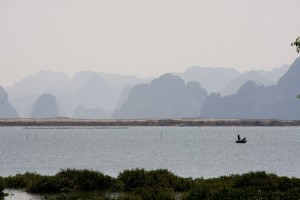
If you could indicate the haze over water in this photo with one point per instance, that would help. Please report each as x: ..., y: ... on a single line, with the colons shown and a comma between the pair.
x: 186, y: 151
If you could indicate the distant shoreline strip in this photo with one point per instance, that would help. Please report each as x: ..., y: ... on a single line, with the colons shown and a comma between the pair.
x: 147, y: 122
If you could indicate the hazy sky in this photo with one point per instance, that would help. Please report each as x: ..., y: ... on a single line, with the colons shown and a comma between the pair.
x: 144, y: 37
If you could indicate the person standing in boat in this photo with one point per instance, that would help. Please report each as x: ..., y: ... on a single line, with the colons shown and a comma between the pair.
x: 239, y: 138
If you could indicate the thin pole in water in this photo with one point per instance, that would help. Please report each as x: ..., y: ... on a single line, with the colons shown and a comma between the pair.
x: 160, y: 135
x: 27, y: 136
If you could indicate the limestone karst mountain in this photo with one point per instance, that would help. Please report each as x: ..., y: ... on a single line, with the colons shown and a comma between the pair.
x: 165, y: 97
x: 6, y: 109
x: 265, y: 77
x: 39, y: 83
x: 88, y: 88
x: 275, y: 74
x: 45, y: 107
x: 101, y: 90
x: 233, y: 86
x: 255, y: 101
x: 228, y: 80
x: 24, y: 92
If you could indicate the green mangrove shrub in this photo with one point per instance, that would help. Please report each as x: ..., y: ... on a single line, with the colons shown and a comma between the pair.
x: 269, y: 184
x: 140, y: 178
x: 148, y: 193
x: 2, y: 186
x: 257, y: 180
x: 84, y: 180
x: 252, y: 185
x: 72, y: 180
x: 21, y: 180
x: 139, y: 184
x: 132, y: 179
x: 154, y: 193
x: 199, y: 191
x: 45, y: 184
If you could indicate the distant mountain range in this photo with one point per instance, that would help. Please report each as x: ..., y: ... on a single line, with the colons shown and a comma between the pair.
x: 197, y: 92
x: 227, y: 80
x: 234, y: 85
x: 90, y: 89
x: 257, y: 101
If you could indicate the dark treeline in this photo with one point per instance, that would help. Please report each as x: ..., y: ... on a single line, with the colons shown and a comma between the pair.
x: 139, y: 184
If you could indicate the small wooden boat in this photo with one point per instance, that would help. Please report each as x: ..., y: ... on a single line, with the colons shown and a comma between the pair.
x: 242, y: 141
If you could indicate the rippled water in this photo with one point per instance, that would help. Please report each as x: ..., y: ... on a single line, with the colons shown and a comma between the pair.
x: 186, y: 151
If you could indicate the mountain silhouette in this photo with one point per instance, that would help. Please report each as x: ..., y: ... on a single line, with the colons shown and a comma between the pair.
x: 233, y: 86
x: 228, y: 80
x: 256, y: 101
x: 168, y: 96
x: 6, y: 109
x: 45, y: 107
x: 165, y: 97
x: 87, y: 88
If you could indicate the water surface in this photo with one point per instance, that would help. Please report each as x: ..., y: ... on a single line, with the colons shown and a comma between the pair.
x: 186, y: 151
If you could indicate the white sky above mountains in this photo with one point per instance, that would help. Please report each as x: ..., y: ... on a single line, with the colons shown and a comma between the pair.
x: 144, y: 37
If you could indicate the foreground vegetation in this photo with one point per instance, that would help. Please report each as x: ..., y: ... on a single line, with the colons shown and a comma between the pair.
x: 139, y: 184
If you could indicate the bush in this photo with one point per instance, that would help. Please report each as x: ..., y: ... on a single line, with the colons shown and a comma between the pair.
x: 129, y: 197
x: 156, y: 184
x: 84, y: 180
x: 285, y: 183
x: 132, y: 179
x: 72, y: 180
x: 257, y: 180
x: 199, y: 191
x: 139, y: 178
x: 166, y: 179
x: 252, y: 185
x: 238, y: 194
x: 45, y: 184
x: 154, y: 193
x: 292, y: 194
x: 2, y: 186
x: 78, y: 196
x: 214, y: 183
x: 20, y: 180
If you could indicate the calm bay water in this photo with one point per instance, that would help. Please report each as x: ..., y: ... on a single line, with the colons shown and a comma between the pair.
x: 186, y: 151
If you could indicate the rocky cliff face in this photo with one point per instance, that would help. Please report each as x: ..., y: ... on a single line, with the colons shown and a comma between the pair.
x: 45, y: 107
x: 6, y: 110
x: 165, y: 97
x: 254, y: 101
x: 285, y: 104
